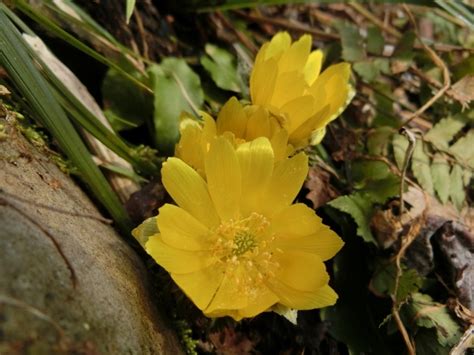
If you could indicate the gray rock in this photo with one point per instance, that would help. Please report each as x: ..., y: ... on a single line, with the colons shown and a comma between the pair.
x: 68, y: 282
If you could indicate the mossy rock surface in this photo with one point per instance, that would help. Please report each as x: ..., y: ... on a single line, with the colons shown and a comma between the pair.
x: 44, y: 214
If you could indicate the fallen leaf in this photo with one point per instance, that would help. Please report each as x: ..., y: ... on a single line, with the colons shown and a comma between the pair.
x: 320, y: 189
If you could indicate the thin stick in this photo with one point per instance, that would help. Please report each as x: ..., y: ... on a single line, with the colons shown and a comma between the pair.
x: 439, y: 63
x: 408, y: 154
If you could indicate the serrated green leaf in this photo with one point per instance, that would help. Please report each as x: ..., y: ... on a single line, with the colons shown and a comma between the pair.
x: 127, y: 105
x: 129, y: 7
x: 360, y: 209
x: 177, y: 88
x: 352, y: 42
x: 379, y: 191
x: 428, y: 314
x: 456, y: 187
x: 383, y: 282
x: 445, y: 130
x: 369, y: 69
x: 420, y: 166
x: 463, y: 149
x: 400, y: 146
x: 440, y: 173
x: 375, y: 40
x: 222, y: 67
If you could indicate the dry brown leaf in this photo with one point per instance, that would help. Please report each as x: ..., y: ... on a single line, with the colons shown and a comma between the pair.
x: 320, y: 190
x: 229, y: 342
x: 463, y: 90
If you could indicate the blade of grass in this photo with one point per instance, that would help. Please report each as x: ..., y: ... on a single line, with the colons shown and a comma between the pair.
x: 15, y: 59
x: 82, y: 115
x: 71, y: 40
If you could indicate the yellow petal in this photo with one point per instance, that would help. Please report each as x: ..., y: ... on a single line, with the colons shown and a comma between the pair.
x: 318, y: 135
x: 298, y: 111
x: 301, y: 136
x: 262, y: 82
x: 176, y: 260
x: 334, y: 83
x: 301, y: 271
x: 227, y: 295
x: 278, y: 44
x: 180, y: 230
x: 223, y: 178
x: 296, y: 56
x: 288, y: 86
x: 295, y: 221
x: 261, y: 301
x: 258, y: 124
x: 285, y: 183
x: 232, y: 118
x: 189, y: 191
x: 323, y: 297
x: 191, y: 135
x: 324, y: 243
x: 200, y: 286
x: 256, y: 166
x: 312, y: 67
x: 279, y: 143
x: 145, y: 230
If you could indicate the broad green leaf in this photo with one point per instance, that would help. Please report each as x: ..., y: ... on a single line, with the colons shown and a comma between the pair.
x: 129, y: 8
x: 375, y: 40
x: 222, y: 67
x: 400, y: 146
x: 463, y: 149
x: 15, y: 58
x: 379, y: 191
x: 352, y: 42
x: 366, y: 171
x: 456, y: 187
x: 440, y: 173
x: 177, y: 88
x: 428, y: 314
x: 360, y: 209
x: 369, y: 70
x: 126, y: 105
x: 445, y: 130
x: 420, y: 166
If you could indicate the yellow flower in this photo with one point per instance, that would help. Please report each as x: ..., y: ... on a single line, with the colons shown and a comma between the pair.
x: 286, y: 80
x: 238, y: 123
x: 235, y: 244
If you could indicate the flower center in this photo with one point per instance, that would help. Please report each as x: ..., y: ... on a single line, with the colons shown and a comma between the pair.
x: 243, y: 242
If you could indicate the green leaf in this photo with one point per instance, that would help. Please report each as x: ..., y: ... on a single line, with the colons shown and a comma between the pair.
x: 222, y: 67
x: 379, y: 191
x: 428, y: 314
x: 144, y: 231
x: 404, y: 49
x: 420, y: 166
x: 456, y: 187
x: 463, y: 149
x: 127, y: 105
x: 354, y: 318
x: 352, y: 42
x: 177, y: 88
x: 375, y: 41
x: 15, y: 58
x: 130, y: 6
x: 440, y: 173
x: 383, y: 281
x: 445, y: 130
x: 370, y: 69
x: 378, y: 140
x: 360, y: 209
x: 400, y: 146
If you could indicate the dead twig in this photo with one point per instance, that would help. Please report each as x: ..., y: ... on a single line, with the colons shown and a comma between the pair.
x: 289, y: 25
x: 439, y: 63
